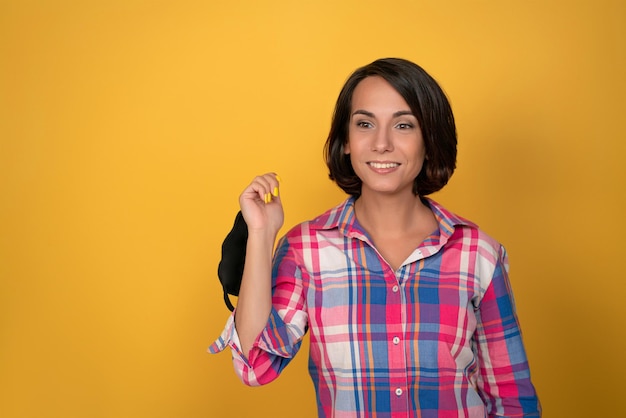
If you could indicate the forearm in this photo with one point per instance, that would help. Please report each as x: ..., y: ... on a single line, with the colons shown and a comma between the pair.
x: 255, y: 295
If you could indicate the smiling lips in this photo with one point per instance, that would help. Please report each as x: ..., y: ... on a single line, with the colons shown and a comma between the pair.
x: 382, y: 165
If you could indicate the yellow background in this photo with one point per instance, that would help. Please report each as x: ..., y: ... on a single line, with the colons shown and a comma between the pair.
x: 128, y: 129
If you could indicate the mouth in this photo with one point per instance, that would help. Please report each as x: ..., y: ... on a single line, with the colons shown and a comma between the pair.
x: 382, y: 166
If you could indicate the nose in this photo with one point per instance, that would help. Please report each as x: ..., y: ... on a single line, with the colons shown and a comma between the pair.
x: 382, y: 140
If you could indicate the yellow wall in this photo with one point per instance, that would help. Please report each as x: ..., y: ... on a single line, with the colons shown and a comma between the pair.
x: 128, y: 129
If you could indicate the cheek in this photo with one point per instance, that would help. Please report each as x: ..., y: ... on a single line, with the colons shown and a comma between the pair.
x: 356, y: 167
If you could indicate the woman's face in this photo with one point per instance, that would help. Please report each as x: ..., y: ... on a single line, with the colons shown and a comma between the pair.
x: 384, y: 139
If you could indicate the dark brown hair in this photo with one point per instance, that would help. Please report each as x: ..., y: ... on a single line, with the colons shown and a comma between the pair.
x: 428, y: 103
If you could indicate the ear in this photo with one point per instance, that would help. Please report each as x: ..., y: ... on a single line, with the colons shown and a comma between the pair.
x: 346, y: 148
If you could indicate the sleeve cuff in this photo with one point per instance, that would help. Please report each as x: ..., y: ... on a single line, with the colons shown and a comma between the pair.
x: 229, y: 338
x: 277, y: 338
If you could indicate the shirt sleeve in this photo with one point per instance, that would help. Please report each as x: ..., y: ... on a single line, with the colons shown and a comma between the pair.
x: 281, y: 338
x: 504, y: 375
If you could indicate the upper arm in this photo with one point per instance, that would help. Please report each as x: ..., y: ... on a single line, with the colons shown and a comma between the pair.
x: 504, y: 375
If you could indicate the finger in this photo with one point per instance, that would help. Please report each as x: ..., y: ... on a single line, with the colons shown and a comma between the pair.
x: 270, y: 187
x: 263, y: 188
x: 255, y: 191
x: 276, y: 183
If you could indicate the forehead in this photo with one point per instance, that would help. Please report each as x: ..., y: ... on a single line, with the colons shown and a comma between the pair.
x: 375, y: 92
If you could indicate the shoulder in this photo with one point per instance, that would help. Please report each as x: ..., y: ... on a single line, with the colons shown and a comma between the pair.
x: 466, y: 246
x: 459, y: 231
x: 306, y: 240
x: 334, y: 218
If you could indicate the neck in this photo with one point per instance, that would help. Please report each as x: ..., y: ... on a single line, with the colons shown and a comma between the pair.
x: 392, y: 214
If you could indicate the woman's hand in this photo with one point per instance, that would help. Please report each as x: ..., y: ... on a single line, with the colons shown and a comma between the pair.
x: 263, y: 212
x: 261, y: 206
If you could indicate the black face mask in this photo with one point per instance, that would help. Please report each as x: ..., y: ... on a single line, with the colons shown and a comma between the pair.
x: 230, y: 269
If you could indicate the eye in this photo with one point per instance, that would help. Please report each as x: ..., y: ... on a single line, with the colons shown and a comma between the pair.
x: 404, y: 125
x: 363, y: 124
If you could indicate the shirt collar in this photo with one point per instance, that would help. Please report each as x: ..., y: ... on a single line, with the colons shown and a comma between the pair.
x: 342, y: 217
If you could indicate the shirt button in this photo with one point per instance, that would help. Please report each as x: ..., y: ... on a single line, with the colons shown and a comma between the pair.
x: 396, y: 340
x: 398, y: 392
x: 395, y: 289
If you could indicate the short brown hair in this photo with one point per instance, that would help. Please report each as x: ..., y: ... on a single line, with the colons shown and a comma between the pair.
x: 429, y: 104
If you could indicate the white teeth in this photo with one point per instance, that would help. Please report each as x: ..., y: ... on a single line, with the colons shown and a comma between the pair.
x: 384, y: 165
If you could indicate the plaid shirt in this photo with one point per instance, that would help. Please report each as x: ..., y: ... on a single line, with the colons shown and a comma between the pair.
x: 439, y: 337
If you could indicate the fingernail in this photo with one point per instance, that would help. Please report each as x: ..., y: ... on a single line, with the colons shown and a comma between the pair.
x: 266, y: 198
x: 275, y: 191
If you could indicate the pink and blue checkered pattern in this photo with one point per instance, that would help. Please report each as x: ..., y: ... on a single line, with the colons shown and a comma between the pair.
x: 439, y: 337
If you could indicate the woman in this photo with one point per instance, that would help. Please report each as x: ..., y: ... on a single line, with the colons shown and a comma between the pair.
x: 409, y: 306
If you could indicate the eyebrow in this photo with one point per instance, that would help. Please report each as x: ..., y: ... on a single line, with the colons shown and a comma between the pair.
x: 371, y: 115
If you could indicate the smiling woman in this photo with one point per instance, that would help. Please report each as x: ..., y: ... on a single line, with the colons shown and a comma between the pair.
x: 427, y: 109
x: 385, y: 141
x: 408, y: 306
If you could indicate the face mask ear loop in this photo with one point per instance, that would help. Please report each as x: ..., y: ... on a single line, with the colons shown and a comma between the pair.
x: 227, y: 301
